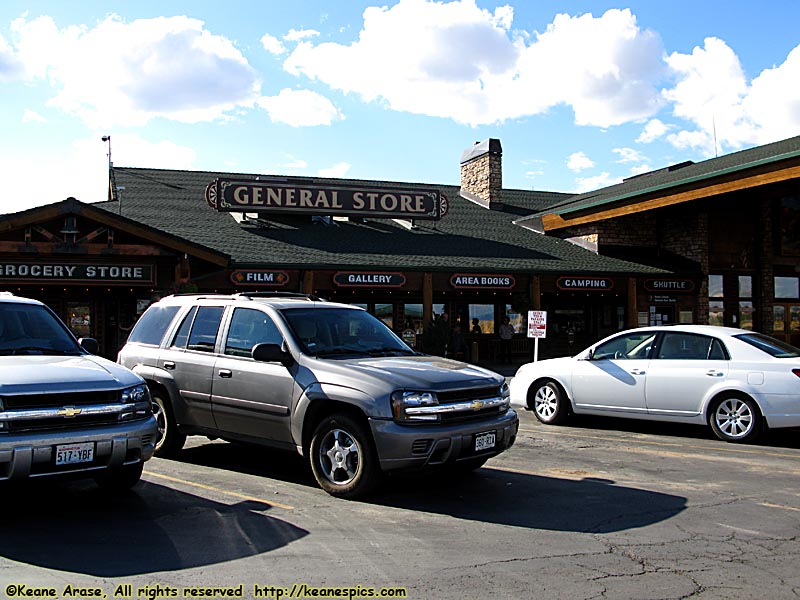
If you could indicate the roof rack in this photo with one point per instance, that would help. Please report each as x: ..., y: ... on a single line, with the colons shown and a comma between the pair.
x: 312, y: 297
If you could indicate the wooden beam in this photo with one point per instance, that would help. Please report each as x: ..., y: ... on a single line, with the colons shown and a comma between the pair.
x: 554, y: 221
x: 56, y: 249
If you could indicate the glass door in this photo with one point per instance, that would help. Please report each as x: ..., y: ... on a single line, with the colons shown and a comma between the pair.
x: 786, y: 322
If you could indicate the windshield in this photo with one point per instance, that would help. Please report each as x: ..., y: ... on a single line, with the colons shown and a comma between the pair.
x: 770, y: 345
x: 341, y: 332
x: 33, y: 329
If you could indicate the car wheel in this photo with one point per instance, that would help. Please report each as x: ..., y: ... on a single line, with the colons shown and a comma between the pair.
x: 170, y: 441
x: 736, y: 419
x: 549, y: 402
x: 343, y: 459
x: 120, y: 479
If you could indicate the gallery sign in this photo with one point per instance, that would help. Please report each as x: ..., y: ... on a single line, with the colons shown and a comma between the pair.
x: 259, y: 277
x: 582, y: 284
x: 280, y: 195
x: 669, y: 285
x: 75, y: 272
x: 371, y: 279
x: 482, y: 282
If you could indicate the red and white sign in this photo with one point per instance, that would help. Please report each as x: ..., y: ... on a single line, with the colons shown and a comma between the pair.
x: 537, y: 323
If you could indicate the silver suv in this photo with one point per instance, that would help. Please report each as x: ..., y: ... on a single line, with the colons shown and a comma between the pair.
x: 63, y: 410
x: 328, y: 380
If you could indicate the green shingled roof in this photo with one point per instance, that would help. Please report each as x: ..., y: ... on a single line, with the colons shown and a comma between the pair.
x: 683, y: 174
x: 469, y: 238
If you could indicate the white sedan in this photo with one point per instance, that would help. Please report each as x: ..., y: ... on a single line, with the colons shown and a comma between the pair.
x: 736, y: 381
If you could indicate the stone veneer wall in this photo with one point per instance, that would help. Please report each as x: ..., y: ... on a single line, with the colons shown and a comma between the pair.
x: 483, y: 176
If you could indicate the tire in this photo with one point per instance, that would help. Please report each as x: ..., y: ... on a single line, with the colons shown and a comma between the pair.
x: 120, y: 479
x: 549, y: 402
x: 343, y: 459
x: 170, y: 441
x: 736, y: 419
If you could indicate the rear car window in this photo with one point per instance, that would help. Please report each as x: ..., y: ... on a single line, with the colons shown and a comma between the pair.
x: 150, y: 328
x: 770, y: 345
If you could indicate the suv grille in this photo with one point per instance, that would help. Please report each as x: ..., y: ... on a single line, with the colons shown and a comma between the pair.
x: 465, y: 396
x: 32, y: 402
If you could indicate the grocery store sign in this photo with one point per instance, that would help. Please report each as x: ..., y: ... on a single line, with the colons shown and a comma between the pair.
x: 75, y: 272
x: 284, y: 196
x: 356, y: 279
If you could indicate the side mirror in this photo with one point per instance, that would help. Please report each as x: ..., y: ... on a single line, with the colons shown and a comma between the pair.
x: 588, y: 355
x: 272, y: 353
x: 90, y: 345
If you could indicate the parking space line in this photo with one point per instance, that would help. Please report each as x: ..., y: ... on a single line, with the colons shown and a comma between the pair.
x: 726, y: 449
x: 771, y: 505
x: 220, y: 491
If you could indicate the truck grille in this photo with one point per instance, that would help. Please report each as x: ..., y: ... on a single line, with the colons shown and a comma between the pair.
x: 55, y: 400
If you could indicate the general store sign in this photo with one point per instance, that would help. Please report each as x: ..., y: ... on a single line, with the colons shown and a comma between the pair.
x: 359, y: 279
x: 282, y: 196
x: 482, y: 282
x: 75, y: 272
x: 259, y: 277
x: 584, y: 283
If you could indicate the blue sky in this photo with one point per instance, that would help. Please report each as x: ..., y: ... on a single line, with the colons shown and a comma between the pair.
x: 580, y: 93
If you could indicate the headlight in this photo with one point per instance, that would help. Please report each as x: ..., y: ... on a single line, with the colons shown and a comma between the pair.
x: 139, y: 397
x: 2, y: 423
x: 504, y: 391
x: 410, y: 406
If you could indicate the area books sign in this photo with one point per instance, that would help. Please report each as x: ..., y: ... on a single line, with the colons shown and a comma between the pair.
x: 305, y: 197
x: 482, y: 281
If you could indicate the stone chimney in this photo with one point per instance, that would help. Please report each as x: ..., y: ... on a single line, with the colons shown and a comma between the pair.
x: 482, y: 174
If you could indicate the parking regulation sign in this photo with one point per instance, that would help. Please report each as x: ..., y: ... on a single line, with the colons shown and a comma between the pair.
x: 537, y: 323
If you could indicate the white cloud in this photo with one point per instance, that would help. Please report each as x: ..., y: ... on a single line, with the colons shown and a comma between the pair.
x: 639, y: 169
x: 295, y: 35
x: 468, y: 64
x: 295, y: 164
x: 629, y: 155
x: 120, y: 73
x: 578, y: 161
x: 300, y: 108
x: 272, y: 44
x: 30, y: 116
x: 10, y: 65
x: 653, y: 130
x: 589, y: 184
x: 713, y: 94
x: 80, y: 170
x: 337, y: 170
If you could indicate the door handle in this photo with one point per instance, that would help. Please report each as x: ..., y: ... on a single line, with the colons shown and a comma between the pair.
x: 714, y: 373
x: 637, y: 371
x: 169, y: 365
x: 225, y: 373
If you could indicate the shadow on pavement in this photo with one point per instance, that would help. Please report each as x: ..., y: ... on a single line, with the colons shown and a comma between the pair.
x: 76, y: 527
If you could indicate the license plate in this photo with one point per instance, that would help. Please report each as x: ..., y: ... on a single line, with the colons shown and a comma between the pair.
x: 485, y: 441
x: 70, y: 454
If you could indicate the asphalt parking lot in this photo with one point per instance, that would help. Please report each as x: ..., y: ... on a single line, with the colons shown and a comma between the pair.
x: 598, y: 508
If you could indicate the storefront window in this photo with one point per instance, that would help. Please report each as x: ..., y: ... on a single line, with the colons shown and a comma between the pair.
x: 787, y: 287
x: 715, y: 286
x: 716, y: 313
x: 745, y: 305
x: 778, y: 318
x: 385, y: 312
x: 484, y: 313
x: 79, y: 317
x: 794, y: 319
x: 518, y: 321
x: 413, y: 317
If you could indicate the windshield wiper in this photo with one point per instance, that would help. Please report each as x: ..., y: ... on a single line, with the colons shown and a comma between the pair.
x: 340, y: 351
x: 39, y: 350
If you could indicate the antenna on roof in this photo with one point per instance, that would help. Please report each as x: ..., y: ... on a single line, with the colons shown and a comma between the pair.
x: 714, y: 127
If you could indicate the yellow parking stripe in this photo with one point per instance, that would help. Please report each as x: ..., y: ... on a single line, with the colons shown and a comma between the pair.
x: 219, y: 490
